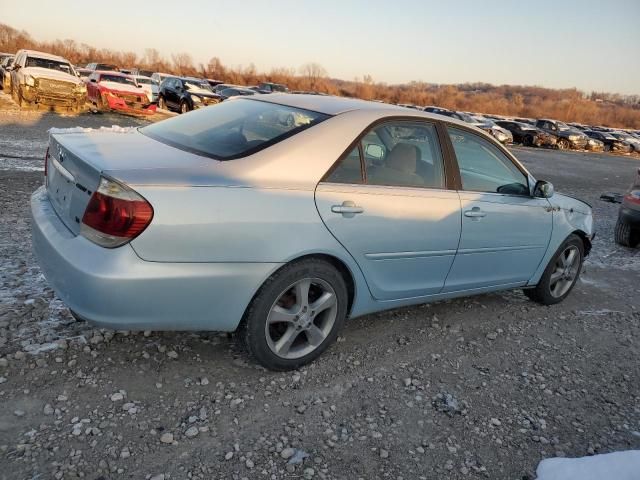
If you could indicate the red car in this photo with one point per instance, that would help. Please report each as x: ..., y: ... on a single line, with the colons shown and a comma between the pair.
x: 627, y: 231
x: 117, y: 91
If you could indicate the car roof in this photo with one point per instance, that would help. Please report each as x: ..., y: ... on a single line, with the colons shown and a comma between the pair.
x: 48, y: 56
x: 113, y: 72
x: 331, y: 105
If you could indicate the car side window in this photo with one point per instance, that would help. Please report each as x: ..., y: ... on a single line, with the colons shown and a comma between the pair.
x: 406, y: 154
x: 400, y: 153
x: 349, y: 170
x: 484, y: 168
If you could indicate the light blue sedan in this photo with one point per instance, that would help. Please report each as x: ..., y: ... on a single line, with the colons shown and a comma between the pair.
x: 279, y: 216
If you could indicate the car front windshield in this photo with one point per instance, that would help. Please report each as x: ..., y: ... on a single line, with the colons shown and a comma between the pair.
x: 563, y: 126
x: 233, y: 129
x: 194, y: 86
x: 50, y: 64
x: 117, y: 79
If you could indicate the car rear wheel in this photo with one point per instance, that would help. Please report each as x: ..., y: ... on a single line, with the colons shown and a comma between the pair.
x: 184, y: 107
x: 625, y: 235
x: 561, y: 273
x: 296, y: 315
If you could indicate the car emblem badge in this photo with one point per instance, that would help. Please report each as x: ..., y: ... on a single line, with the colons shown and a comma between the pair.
x: 60, y: 155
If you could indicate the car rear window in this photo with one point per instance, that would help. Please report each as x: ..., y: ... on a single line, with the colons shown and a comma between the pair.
x: 233, y: 129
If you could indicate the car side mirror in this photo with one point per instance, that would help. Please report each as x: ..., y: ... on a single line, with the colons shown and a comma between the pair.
x: 543, y: 189
x: 93, y: 80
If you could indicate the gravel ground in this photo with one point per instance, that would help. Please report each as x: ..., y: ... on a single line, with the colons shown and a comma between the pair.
x: 483, y: 387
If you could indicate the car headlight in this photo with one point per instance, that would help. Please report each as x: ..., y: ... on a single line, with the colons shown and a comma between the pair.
x: 81, y: 88
x: 30, y: 81
x: 573, y: 138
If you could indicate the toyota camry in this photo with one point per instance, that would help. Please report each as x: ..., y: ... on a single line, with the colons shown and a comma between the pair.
x: 280, y: 216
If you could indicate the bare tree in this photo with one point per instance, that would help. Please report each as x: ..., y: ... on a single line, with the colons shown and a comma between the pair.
x: 182, y: 63
x: 313, y: 72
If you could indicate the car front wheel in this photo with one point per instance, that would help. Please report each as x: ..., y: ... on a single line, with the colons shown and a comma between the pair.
x: 563, y: 144
x: 561, y: 273
x: 296, y: 315
x: 161, y: 103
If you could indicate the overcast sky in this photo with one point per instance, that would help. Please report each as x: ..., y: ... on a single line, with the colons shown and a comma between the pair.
x: 592, y: 45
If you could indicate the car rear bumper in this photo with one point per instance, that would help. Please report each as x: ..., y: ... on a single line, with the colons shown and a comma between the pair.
x: 114, y: 288
x: 629, y: 215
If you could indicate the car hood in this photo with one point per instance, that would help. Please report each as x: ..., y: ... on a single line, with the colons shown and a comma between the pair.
x: 39, y: 72
x: 569, y: 203
x: 120, y: 87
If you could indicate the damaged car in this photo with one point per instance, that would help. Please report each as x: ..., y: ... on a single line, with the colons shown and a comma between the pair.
x: 528, y: 135
x: 567, y: 137
x: 611, y: 143
x: 627, y: 232
x: 5, y: 72
x: 39, y: 78
x: 117, y: 91
x: 186, y: 94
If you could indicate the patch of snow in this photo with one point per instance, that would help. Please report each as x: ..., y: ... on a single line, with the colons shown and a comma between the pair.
x: 113, y: 129
x: 21, y: 164
x: 604, y: 311
x: 609, y: 466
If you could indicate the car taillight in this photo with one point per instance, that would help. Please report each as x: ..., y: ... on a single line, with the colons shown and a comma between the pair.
x: 115, y: 215
x: 46, y: 167
x: 633, y: 197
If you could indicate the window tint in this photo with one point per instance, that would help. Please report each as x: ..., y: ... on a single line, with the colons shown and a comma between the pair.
x: 349, y: 170
x: 402, y: 153
x: 484, y: 168
x: 233, y: 129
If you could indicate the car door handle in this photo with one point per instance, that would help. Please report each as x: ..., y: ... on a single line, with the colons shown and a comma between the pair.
x: 347, y: 209
x: 475, y: 212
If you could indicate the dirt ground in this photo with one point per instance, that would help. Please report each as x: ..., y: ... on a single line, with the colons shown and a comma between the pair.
x: 482, y: 387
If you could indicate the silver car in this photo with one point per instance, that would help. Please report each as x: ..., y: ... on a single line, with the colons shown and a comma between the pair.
x: 235, y: 218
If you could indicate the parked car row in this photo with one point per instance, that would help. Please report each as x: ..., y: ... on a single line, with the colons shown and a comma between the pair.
x: 41, y: 79
x: 545, y: 132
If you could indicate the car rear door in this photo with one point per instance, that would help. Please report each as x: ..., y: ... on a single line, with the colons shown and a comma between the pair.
x: 505, y: 231
x: 387, y: 202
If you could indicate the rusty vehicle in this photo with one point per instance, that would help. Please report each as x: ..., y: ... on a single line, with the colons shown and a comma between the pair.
x: 41, y: 79
x: 527, y: 134
x: 117, y: 91
x: 627, y: 232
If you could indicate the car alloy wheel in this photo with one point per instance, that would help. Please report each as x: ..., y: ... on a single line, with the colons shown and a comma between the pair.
x: 184, y: 108
x: 301, y: 318
x: 563, y: 144
x: 567, y: 267
x: 161, y: 103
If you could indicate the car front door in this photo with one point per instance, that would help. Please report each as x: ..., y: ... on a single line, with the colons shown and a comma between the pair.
x: 505, y: 231
x: 387, y: 202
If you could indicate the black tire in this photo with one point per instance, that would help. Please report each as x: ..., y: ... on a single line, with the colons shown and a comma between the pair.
x: 563, y: 144
x: 251, y: 332
x: 541, y: 293
x: 607, y: 148
x: 625, y: 235
x: 527, y: 141
x: 184, y: 107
